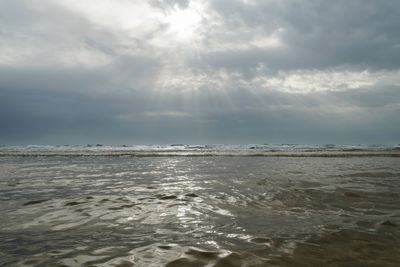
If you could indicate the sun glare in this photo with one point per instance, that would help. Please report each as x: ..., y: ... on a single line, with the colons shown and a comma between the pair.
x: 184, y: 22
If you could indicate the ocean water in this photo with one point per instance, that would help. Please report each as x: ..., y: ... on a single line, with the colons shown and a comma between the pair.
x: 197, y: 150
x: 203, y: 205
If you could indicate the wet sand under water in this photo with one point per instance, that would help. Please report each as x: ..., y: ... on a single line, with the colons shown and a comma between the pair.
x: 184, y: 211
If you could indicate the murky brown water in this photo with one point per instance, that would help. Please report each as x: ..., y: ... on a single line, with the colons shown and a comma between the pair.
x: 195, y: 211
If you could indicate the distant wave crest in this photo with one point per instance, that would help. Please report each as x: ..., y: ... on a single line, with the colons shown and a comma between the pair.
x: 181, y: 150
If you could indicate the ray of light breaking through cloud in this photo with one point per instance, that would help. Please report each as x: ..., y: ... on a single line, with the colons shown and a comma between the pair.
x: 175, y: 71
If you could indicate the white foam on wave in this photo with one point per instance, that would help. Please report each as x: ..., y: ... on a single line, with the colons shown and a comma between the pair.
x: 193, y: 150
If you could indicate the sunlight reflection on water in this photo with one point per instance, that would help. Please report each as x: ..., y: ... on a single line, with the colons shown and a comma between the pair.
x: 182, y: 211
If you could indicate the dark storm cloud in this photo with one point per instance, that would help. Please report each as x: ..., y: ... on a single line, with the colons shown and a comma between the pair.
x: 385, y: 96
x: 316, y: 34
x: 75, y: 104
x: 250, y: 71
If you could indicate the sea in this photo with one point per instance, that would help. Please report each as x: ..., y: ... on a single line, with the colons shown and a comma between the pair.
x: 200, y: 205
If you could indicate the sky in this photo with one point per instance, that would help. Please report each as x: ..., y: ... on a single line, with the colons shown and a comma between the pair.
x: 209, y: 71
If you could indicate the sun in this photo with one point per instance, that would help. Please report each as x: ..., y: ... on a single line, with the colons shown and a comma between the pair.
x: 184, y: 22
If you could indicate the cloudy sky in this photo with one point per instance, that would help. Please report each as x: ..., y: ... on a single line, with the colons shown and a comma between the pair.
x: 207, y: 71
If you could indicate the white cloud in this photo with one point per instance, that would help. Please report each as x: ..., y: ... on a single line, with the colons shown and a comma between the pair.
x: 134, y: 15
x: 310, y: 81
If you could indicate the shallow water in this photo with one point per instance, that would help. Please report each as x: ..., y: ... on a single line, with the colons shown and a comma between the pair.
x: 199, y: 211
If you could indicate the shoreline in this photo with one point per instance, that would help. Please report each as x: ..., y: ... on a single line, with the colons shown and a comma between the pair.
x: 270, y: 154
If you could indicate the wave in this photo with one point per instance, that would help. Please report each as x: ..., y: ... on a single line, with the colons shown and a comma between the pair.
x: 202, y: 150
x: 143, y: 155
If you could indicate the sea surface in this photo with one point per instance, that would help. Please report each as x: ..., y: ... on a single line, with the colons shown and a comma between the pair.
x: 200, y: 205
